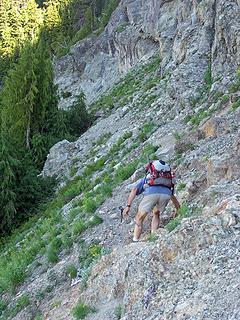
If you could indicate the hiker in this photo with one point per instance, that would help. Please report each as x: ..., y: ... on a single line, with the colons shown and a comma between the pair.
x: 158, y: 188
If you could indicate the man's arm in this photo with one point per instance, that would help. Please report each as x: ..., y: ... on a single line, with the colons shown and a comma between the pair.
x: 131, y: 197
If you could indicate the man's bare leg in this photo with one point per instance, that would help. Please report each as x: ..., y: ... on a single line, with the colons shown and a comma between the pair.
x: 138, y: 225
x: 155, y: 220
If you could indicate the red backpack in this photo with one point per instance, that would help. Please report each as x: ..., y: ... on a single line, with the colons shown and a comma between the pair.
x: 158, y: 173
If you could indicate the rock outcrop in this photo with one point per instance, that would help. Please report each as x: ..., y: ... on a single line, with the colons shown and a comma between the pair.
x: 188, y: 35
x: 183, y: 109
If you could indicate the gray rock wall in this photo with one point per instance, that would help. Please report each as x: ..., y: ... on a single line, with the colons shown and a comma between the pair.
x: 189, y: 35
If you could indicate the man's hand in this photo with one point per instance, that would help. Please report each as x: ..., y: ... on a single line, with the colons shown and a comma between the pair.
x: 126, y: 211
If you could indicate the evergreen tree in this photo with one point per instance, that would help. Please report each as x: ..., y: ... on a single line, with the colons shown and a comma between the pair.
x: 78, y: 117
x: 8, y: 165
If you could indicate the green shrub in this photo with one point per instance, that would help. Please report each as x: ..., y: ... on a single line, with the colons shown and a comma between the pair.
x: 67, y: 241
x: 66, y: 94
x: 125, y: 172
x: 181, y: 186
x: 106, y: 190
x: 52, y: 255
x: 118, y: 311
x: 152, y: 237
x: 94, y: 221
x: 71, y: 270
x: 183, y: 212
x: 224, y: 98
x: 120, y: 28
x: 172, y: 224
x: 81, y: 310
x: 208, y: 77
x: 38, y: 317
x: 236, y: 104
x: 78, y: 227
x: 89, y: 205
x: 146, y: 131
x: 3, y: 306
x: 21, y: 303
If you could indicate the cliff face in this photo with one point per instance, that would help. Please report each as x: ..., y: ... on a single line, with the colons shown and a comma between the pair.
x: 188, y: 35
x: 176, y: 64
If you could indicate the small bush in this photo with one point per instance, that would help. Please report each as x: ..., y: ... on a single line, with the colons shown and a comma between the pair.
x: 183, y: 212
x: 3, y: 306
x: 146, y: 131
x: 89, y: 205
x: 125, y: 172
x: 78, y: 227
x: 20, y: 304
x: 152, y: 237
x: 236, y: 104
x: 38, y: 317
x: 71, y: 270
x: 81, y: 310
x: 94, y: 221
x: 181, y: 186
x: 172, y: 224
x: 118, y: 311
x: 52, y: 255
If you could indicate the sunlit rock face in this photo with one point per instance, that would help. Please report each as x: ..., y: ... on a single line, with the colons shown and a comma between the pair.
x: 188, y: 35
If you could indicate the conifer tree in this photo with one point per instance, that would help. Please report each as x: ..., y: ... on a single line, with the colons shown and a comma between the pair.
x: 8, y: 165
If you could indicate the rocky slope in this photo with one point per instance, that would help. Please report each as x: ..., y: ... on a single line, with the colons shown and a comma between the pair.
x: 178, y: 99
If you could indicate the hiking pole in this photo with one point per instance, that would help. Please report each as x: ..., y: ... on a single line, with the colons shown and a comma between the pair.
x: 121, y: 209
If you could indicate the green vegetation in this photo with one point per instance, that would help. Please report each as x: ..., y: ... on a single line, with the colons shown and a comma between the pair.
x: 140, y: 79
x: 146, y: 130
x: 121, y: 27
x: 118, y: 312
x: 183, y: 212
x: 13, y: 309
x: 152, y: 237
x: 208, y: 78
x: 81, y: 310
x: 181, y: 186
x: 29, y: 117
x: 71, y: 270
x: 235, y: 105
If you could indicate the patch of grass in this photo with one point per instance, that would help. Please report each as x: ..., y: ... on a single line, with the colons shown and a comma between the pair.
x: 120, y: 28
x: 217, y: 96
x: 71, y: 270
x: 118, y: 312
x: 66, y: 94
x: 89, y: 205
x: 146, y: 131
x: 124, y: 172
x: 102, y: 140
x: 236, y: 104
x: 38, y: 317
x: 52, y: 255
x: 208, y: 77
x: 124, y: 91
x: 81, y: 310
x: 177, y: 136
x: 73, y: 171
x: 94, y: 221
x: 78, y: 227
x: 181, y: 186
x: 224, y: 98
x: 152, y: 237
x: 3, y: 306
x: 21, y: 303
x: 183, y: 212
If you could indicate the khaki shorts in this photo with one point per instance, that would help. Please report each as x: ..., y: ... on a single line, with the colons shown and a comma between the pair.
x: 150, y: 201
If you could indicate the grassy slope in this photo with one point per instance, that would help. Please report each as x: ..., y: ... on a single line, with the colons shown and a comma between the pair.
x: 44, y: 237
